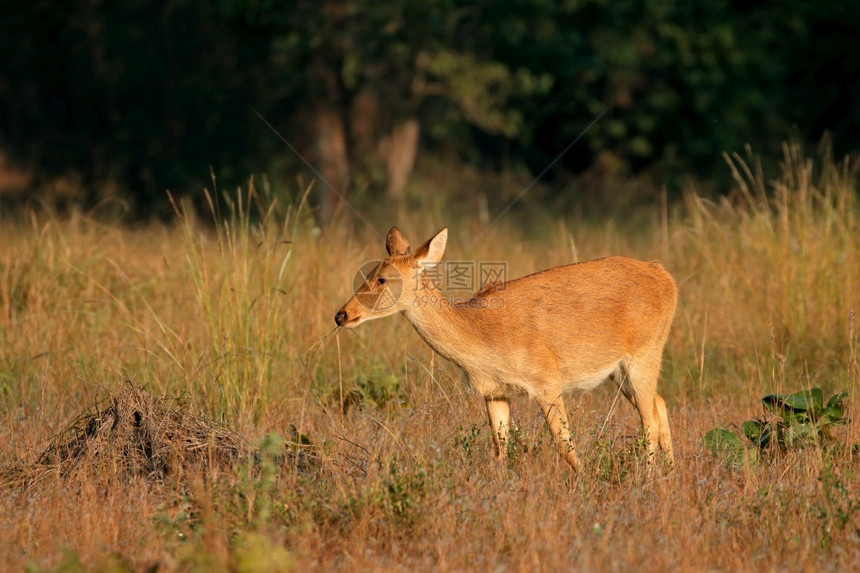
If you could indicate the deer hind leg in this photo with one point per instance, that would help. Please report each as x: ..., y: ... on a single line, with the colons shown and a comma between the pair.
x: 499, y: 412
x: 556, y: 419
x: 639, y: 385
x: 665, y: 438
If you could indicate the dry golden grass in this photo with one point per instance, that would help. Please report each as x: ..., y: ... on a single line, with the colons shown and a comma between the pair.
x: 237, y: 322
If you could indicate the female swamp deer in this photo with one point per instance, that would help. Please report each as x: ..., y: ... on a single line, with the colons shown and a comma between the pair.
x: 562, y: 329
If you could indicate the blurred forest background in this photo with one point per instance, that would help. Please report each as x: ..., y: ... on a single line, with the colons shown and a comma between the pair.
x: 116, y: 102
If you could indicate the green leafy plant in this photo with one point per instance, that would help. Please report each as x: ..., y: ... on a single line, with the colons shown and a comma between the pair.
x: 376, y: 390
x: 467, y: 440
x: 516, y: 446
x: 792, y: 421
x: 615, y: 465
x: 405, y: 489
x: 838, y: 502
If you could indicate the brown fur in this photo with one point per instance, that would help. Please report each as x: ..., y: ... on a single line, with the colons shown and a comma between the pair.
x: 563, y: 329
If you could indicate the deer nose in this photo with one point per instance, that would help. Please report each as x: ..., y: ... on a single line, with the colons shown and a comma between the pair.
x: 340, y: 318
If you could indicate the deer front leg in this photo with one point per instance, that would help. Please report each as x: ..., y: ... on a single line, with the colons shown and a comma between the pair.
x: 499, y: 412
x: 556, y: 419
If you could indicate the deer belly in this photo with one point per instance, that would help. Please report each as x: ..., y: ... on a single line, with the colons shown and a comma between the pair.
x: 586, y: 381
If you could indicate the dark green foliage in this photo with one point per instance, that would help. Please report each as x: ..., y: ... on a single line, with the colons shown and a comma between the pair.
x: 794, y: 421
x: 151, y: 95
x: 801, y: 418
x: 147, y: 94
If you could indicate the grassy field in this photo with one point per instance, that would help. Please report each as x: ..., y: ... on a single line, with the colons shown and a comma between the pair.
x: 369, y: 452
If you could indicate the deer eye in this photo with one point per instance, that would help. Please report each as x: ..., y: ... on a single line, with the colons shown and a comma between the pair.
x: 381, y: 280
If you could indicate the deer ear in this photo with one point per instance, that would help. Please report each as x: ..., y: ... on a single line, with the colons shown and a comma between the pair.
x: 396, y: 243
x: 431, y: 252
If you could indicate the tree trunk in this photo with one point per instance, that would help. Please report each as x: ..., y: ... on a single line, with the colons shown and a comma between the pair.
x: 332, y: 160
x: 399, y: 151
x: 364, y: 121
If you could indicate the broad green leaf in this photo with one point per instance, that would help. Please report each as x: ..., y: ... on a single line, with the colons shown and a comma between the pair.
x: 811, y: 400
x: 826, y: 419
x: 832, y: 416
x: 753, y: 430
x: 719, y: 440
x: 799, y: 433
x: 835, y: 403
x: 758, y: 432
x: 834, y: 413
x: 774, y: 403
x: 797, y: 416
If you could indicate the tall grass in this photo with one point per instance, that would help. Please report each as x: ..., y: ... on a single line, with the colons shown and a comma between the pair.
x: 773, y: 270
x: 236, y: 317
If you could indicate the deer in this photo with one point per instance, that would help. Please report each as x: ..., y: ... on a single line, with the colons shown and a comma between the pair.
x: 565, y: 329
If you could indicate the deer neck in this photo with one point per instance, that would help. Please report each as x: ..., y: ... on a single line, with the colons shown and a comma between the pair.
x: 443, y: 326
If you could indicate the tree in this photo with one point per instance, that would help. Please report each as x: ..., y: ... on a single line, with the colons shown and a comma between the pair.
x: 370, y: 67
x: 151, y: 96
